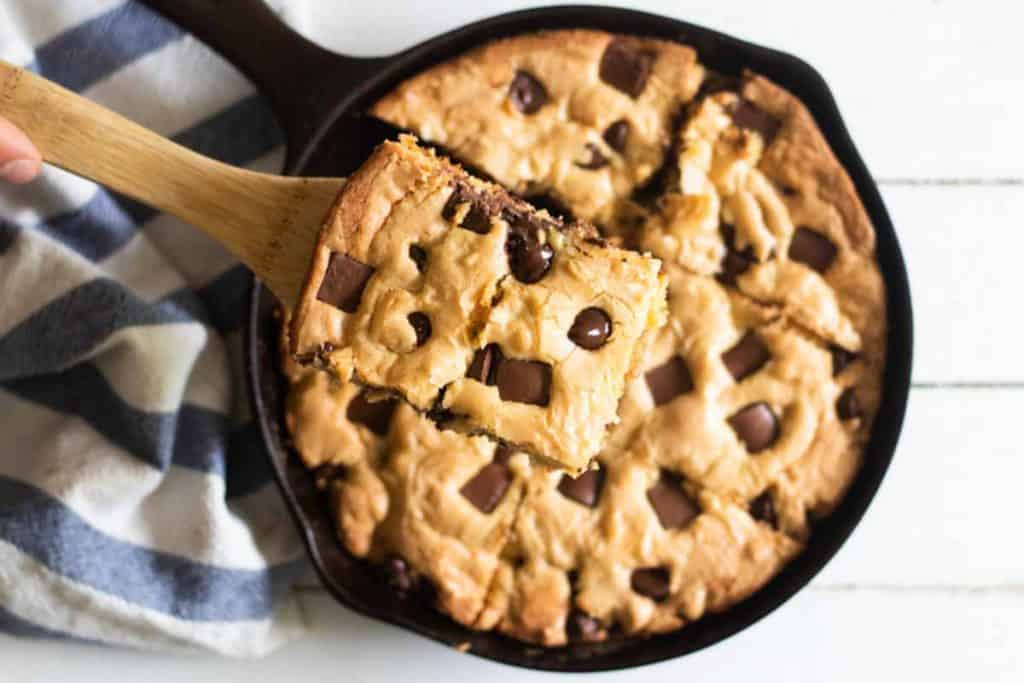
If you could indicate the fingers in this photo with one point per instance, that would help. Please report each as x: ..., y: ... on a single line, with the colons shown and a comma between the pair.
x: 19, y: 158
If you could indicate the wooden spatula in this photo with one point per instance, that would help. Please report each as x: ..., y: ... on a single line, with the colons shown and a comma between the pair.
x: 269, y: 222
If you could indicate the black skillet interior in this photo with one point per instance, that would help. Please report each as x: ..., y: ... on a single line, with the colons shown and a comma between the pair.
x: 318, y: 97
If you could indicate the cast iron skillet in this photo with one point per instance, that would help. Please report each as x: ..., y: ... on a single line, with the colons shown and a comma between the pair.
x: 318, y: 97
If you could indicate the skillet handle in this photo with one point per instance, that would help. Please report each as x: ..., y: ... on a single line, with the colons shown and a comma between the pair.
x: 301, y: 80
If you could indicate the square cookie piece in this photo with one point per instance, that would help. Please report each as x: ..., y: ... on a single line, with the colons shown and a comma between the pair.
x: 475, y: 307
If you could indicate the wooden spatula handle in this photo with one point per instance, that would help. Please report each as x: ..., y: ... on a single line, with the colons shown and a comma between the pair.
x: 269, y: 222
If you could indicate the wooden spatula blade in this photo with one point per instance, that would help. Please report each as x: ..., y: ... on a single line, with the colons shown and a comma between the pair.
x: 269, y: 222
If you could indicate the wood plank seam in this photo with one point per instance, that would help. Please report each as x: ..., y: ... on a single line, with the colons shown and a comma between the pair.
x: 979, y: 589
x: 951, y: 182
x: 966, y: 385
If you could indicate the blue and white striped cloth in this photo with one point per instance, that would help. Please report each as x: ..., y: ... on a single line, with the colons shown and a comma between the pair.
x: 135, y: 507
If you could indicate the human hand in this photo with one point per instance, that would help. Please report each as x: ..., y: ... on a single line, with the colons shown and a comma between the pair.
x: 19, y: 158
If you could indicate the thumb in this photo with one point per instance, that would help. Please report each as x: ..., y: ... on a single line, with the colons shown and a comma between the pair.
x: 19, y: 158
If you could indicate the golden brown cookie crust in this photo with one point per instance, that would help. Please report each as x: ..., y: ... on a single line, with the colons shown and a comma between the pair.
x: 689, y: 509
x: 466, y: 105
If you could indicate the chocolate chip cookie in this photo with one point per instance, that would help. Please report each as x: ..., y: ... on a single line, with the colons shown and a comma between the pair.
x: 584, y: 117
x: 472, y: 306
x: 749, y: 412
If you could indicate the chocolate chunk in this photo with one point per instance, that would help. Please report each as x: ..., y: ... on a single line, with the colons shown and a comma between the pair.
x: 669, y: 380
x: 616, y: 135
x: 756, y: 426
x: 580, y: 626
x: 418, y: 256
x: 421, y: 325
x: 847, y: 407
x: 485, y: 362
x: 652, y: 582
x: 584, y: 489
x: 812, y: 249
x: 840, y: 358
x: 675, y: 509
x: 399, y: 576
x: 488, y: 486
x: 457, y: 198
x: 591, y: 328
x: 477, y: 218
x: 746, y: 357
x: 503, y: 453
x: 375, y: 415
x: 626, y: 68
x: 763, y: 509
x: 344, y: 282
x: 595, y: 158
x: 747, y: 115
x: 528, y: 258
x: 736, y: 261
x: 524, y: 381
x: 527, y: 93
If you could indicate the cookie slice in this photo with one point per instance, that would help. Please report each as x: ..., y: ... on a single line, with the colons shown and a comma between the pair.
x: 583, y: 116
x: 466, y: 302
x: 431, y: 509
x: 760, y: 201
x: 531, y: 595
x: 434, y: 512
x: 452, y: 500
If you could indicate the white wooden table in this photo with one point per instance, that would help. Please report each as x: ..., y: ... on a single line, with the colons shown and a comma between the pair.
x: 931, y: 587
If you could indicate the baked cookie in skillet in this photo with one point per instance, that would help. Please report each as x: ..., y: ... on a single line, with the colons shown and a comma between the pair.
x: 693, y: 505
x: 750, y: 410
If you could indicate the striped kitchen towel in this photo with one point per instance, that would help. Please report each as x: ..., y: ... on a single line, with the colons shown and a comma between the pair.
x: 135, y: 505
